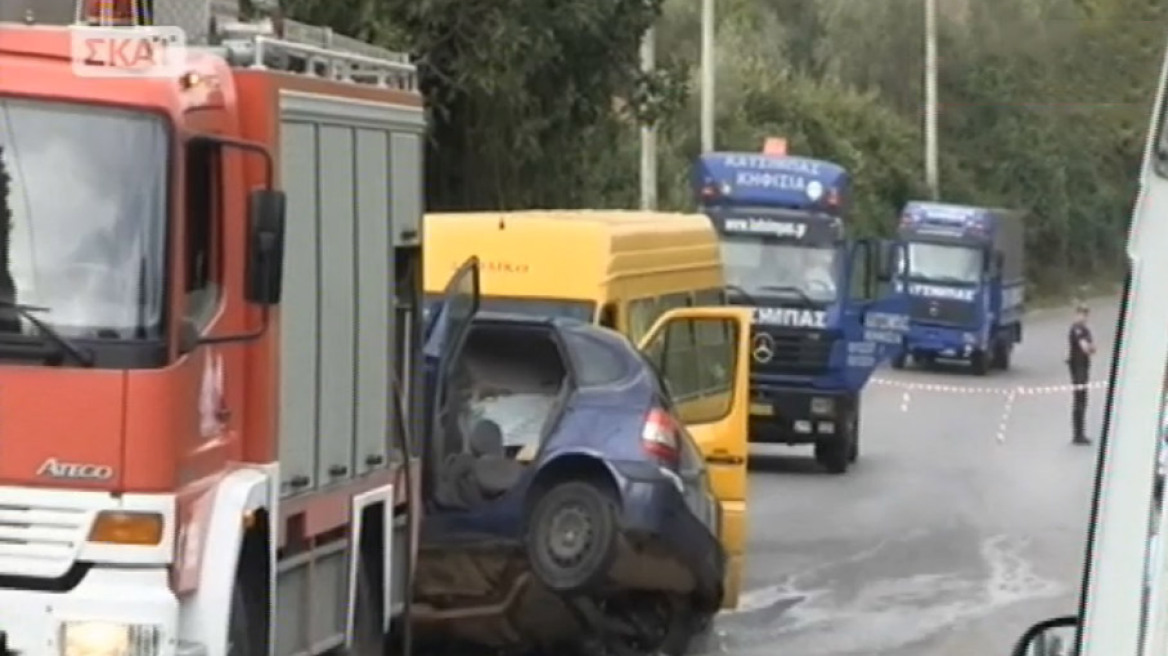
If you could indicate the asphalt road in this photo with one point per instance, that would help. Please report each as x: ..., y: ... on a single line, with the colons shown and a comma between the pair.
x: 953, y: 533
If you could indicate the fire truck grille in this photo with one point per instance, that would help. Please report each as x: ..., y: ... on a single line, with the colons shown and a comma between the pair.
x: 40, y: 540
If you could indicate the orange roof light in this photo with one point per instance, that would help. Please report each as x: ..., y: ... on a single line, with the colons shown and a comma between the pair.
x: 775, y: 146
x: 115, y: 12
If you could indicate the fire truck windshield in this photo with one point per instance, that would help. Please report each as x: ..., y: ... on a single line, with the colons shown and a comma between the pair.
x: 83, y: 193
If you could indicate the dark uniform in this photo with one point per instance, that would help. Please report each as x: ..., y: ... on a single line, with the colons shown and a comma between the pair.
x: 1079, y: 362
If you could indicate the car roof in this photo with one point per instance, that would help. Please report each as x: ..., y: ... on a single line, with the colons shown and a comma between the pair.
x: 485, y: 316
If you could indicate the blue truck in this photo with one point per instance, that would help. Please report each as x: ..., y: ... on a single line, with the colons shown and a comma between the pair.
x: 963, y: 275
x: 822, y: 323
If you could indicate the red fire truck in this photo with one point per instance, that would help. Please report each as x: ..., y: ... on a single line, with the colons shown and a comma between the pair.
x: 208, y: 283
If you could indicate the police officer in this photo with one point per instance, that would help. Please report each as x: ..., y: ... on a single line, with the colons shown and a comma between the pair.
x: 1080, y: 349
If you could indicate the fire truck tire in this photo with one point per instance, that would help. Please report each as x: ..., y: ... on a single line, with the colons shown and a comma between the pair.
x: 572, y: 536
x: 242, y: 636
x: 368, y: 639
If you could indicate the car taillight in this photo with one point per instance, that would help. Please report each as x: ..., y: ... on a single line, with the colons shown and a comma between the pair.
x: 659, y: 436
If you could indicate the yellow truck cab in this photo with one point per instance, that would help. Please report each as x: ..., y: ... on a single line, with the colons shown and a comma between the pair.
x: 620, y: 269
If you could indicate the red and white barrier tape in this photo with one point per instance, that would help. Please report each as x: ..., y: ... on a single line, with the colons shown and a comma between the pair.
x: 1005, y: 421
x: 1023, y: 390
x: 1011, y: 394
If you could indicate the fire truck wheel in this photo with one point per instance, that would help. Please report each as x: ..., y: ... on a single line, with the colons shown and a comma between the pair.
x: 571, y: 536
x: 368, y: 639
x: 241, y: 637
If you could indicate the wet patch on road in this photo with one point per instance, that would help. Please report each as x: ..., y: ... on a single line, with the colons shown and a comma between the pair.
x: 873, y: 602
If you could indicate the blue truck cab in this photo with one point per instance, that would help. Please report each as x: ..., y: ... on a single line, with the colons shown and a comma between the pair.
x: 821, y: 324
x: 963, y: 276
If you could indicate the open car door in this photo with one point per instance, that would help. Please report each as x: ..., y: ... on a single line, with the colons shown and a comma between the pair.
x: 876, y: 319
x: 703, y: 354
x: 446, y: 331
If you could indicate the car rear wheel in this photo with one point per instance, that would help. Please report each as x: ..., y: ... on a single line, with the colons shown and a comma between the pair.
x: 571, y: 536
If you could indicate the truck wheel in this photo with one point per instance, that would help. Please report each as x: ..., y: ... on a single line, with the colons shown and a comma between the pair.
x: 979, y: 362
x: 900, y: 359
x: 368, y: 638
x: 571, y: 536
x: 1002, y: 352
x: 833, y: 456
x: 241, y: 636
x: 853, y: 424
x: 837, y: 455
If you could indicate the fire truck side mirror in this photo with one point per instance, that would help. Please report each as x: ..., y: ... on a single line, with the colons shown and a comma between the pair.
x: 265, y: 246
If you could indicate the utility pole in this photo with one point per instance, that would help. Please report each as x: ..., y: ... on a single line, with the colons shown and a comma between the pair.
x: 649, y: 130
x: 707, y: 75
x: 931, y: 167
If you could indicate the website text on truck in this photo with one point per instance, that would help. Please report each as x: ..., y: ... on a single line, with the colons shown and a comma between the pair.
x: 204, y: 451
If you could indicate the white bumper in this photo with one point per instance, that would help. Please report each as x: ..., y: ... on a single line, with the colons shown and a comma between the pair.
x: 34, y: 622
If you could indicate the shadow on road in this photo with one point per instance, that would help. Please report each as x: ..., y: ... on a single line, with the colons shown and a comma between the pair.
x: 943, y: 367
x: 786, y: 463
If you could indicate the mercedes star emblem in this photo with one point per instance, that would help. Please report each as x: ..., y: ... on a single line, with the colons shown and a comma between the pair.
x: 764, y: 348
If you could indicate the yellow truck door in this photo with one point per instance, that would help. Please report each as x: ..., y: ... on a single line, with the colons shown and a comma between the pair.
x: 703, y: 355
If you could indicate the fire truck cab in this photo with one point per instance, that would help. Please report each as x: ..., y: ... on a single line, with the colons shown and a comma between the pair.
x: 209, y: 284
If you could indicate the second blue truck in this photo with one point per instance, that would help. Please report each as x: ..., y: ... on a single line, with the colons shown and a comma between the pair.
x: 963, y: 275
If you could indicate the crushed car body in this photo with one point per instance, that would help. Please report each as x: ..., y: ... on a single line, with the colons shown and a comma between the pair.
x: 569, y: 499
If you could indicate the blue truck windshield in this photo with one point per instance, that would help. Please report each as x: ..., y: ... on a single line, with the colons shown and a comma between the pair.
x: 771, y: 267
x: 945, y: 263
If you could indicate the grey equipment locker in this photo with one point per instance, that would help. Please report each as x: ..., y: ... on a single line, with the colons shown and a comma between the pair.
x: 352, y: 172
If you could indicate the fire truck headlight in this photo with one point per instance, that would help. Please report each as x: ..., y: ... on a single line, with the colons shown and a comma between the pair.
x: 132, y: 528
x: 93, y: 638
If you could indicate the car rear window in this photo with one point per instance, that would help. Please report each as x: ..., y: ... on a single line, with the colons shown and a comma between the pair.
x: 595, y: 359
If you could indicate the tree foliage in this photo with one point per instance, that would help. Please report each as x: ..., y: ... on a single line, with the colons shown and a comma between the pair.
x: 1043, y: 103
